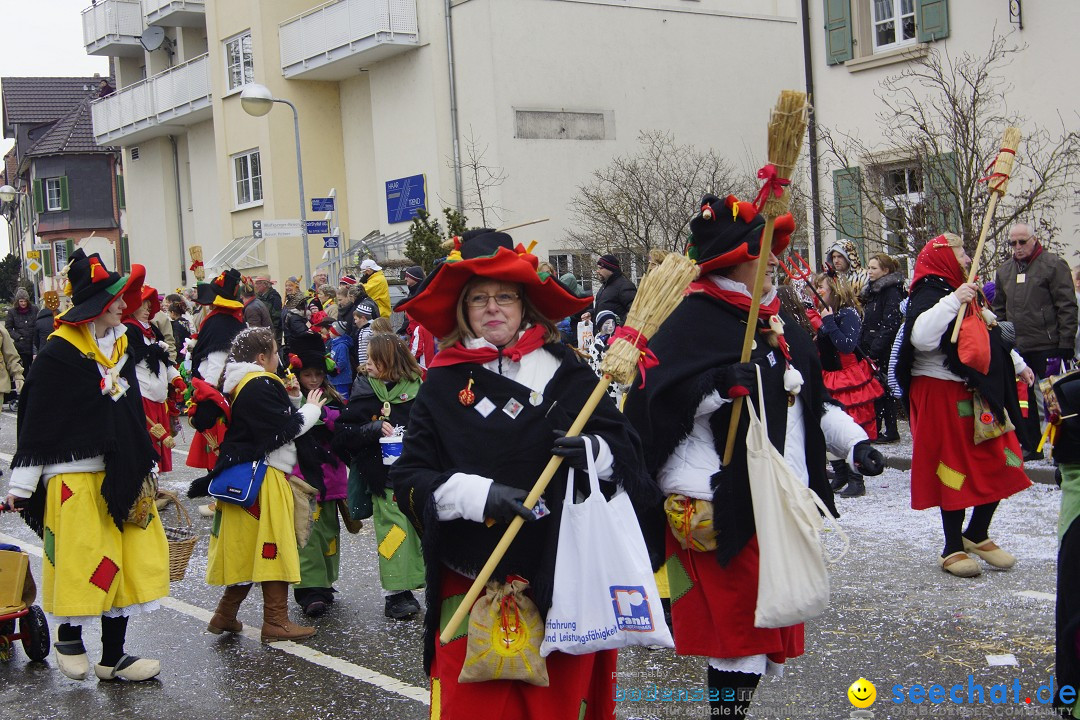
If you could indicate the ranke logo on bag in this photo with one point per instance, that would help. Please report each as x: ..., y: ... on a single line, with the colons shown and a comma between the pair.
x: 632, y: 613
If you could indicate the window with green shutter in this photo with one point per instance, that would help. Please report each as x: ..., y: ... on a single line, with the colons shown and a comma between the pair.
x: 39, y: 197
x: 47, y: 262
x: 65, y: 203
x: 121, y: 201
x: 838, y: 37
x: 847, y: 203
x: 942, y: 199
x: 125, y: 255
x: 932, y: 19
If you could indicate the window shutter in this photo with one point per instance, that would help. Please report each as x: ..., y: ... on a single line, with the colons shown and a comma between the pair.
x: 932, y: 19
x: 70, y: 247
x: 847, y: 199
x: 47, y: 263
x: 64, y: 204
x: 838, y: 45
x: 125, y: 255
x: 942, y: 199
x: 121, y: 201
x: 39, y: 197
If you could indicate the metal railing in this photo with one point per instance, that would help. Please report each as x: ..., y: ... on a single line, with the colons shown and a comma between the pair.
x: 166, y: 96
x: 112, y: 20
x: 340, y: 23
x: 151, y: 7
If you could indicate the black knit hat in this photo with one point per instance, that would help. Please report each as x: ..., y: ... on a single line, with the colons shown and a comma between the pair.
x: 415, y: 272
x: 93, y: 287
x: 223, y: 291
x: 609, y: 262
x: 310, y: 350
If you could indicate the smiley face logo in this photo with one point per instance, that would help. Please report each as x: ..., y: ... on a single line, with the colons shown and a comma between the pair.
x: 862, y: 693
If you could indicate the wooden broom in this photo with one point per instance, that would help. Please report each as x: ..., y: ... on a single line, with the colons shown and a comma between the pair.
x: 787, y: 126
x: 660, y: 291
x: 998, y: 182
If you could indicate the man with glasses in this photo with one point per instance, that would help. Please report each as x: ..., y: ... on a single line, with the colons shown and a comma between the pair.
x: 1034, y: 291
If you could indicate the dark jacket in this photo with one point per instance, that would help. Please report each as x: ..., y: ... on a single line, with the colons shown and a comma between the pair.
x: 256, y: 314
x: 615, y: 295
x: 1042, y: 306
x: 294, y: 325
x: 21, y: 326
x: 272, y: 299
x: 881, y: 316
x: 43, y: 327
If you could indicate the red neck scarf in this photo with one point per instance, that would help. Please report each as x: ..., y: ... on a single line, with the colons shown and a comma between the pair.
x: 742, y: 301
x: 237, y: 313
x: 937, y: 258
x: 147, y: 331
x: 530, y: 340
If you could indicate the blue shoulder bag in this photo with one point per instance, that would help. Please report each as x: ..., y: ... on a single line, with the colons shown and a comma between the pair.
x: 239, y: 484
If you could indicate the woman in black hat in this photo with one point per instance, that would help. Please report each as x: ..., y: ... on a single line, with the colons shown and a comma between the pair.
x: 105, y: 550
x: 483, y: 427
x: 216, y: 332
x: 683, y: 415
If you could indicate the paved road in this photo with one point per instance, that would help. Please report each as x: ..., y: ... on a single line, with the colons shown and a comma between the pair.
x: 895, y: 618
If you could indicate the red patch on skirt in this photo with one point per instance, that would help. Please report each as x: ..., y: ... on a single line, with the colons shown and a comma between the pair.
x: 269, y: 551
x: 104, y: 574
x: 65, y: 493
x: 254, y: 510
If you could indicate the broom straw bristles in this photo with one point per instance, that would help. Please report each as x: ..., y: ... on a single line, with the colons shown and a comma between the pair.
x: 1010, y: 140
x: 787, y: 126
x: 660, y: 291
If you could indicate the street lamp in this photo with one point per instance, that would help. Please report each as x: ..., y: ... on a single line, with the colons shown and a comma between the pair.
x: 257, y: 100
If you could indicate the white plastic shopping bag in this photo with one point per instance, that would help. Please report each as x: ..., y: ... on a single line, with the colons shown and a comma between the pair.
x: 793, y: 584
x: 605, y: 593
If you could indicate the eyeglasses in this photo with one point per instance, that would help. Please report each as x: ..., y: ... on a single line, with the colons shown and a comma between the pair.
x: 1014, y: 243
x: 481, y: 299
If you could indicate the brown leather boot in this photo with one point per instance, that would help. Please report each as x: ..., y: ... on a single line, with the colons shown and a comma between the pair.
x: 224, y: 619
x: 276, y: 623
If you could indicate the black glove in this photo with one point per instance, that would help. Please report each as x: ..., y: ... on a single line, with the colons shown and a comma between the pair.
x: 738, y: 381
x: 573, y: 449
x: 868, y: 460
x: 504, y: 502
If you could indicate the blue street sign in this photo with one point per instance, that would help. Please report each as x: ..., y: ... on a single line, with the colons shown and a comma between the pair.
x: 322, y: 204
x: 330, y: 242
x: 404, y: 197
x: 318, y: 227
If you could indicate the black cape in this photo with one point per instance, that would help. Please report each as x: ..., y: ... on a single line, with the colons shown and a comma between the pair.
x: 154, y: 355
x: 63, y: 417
x: 696, y: 346
x: 216, y: 333
x: 447, y: 437
x: 358, y: 431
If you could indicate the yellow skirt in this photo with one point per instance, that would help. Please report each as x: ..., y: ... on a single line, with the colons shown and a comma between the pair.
x: 258, y: 543
x: 91, y: 566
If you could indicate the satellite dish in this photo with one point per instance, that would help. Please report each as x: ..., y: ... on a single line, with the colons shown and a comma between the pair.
x: 152, y: 38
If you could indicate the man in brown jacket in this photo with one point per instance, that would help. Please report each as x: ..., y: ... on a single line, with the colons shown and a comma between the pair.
x: 1034, y: 291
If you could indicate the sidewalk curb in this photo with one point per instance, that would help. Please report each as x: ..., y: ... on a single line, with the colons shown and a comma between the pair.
x: 1037, y: 474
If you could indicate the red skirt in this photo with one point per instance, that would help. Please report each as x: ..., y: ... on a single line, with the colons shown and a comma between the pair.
x: 204, y: 452
x: 948, y: 470
x: 856, y: 388
x: 159, y: 413
x: 581, y: 686
x: 712, y: 607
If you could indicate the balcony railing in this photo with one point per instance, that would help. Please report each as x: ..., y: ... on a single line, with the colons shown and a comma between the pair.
x: 327, y: 42
x: 113, y: 27
x: 177, y: 96
x: 175, y: 13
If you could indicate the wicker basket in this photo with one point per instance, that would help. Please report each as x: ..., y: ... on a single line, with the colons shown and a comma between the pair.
x: 182, y: 539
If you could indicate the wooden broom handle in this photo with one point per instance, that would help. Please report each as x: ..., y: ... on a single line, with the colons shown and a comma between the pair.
x: 976, y: 260
x: 515, y: 525
x: 751, y: 330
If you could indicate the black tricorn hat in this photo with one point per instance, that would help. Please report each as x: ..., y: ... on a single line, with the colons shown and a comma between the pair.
x: 728, y: 232
x: 93, y: 287
x: 223, y: 291
x: 310, y: 349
